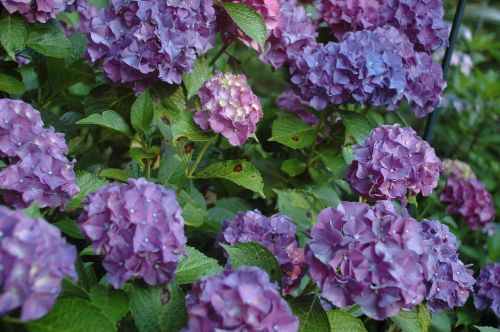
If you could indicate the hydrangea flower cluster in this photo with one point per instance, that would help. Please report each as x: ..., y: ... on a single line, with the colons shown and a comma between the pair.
x: 488, y: 289
x: 35, y: 11
x: 138, y: 227
x: 86, y: 12
x: 139, y: 42
x: 276, y: 233
x: 241, y: 300
x: 369, y: 255
x: 420, y: 20
x: 457, y: 169
x: 449, y: 280
x: 38, y: 170
x: 34, y: 259
x: 394, y: 163
x: 295, y: 30
x: 229, y: 107
x: 470, y: 199
x: 269, y: 10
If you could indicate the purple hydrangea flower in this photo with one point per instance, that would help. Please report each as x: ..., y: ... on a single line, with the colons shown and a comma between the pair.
x: 295, y: 30
x: 35, y: 11
x: 138, y: 227
x: 241, y: 300
x: 139, y: 42
x: 38, y: 170
x: 34, y: 259
x: 470, y: 199
x: 229, y: 107
x: 86, y: 12
x: 276, y: 233
x: 394, y: 163
x: 457, y: 169
x: 268, y: 9
x: 372, y: 256
x: 449, y: 280
x: 487, y: 293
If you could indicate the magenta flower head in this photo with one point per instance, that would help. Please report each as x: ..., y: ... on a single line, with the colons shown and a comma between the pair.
x: 394, y: 163
x: 86, y: 12
x: 295, y: 30
x: 371, y: 256
x: 138, y: 227
x: 38, y: 170
x: 34, y: 259
x: 449, y: 281
x: 487, y: 293
x: 470, y: 199
x: 35, y: 11
x: 140, y: 42
x: 276, y: 233
x: 241, y: 300
x: 229, y: 107
x: 268, y: 9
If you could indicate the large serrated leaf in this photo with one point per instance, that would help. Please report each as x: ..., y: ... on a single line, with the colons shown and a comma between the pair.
x: 417, y: 320
x: 291, y: 131
x: 195, y: 79
x: 14, y: 32
x: 248, y: 20
x: 195, y: 266
x: 357, y: 125
x: 142, y: 112
x: 253, y: 254
x: 114, y: 303
x: 341, y: 321
x: 69, y: 228
x: 11, y: 84
x: 109, y: 120
x: 241, y: 172
x: 49, y: 39
x: 301, y: 206
x: 312, y: 316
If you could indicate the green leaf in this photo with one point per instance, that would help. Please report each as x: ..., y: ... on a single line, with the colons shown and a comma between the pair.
x: 299, y: 205
x: 142, y: 112
x: 109, y: 120
x: 172, y: 169
x: 175, y: 313
x: 486, y: 329
x: 11, y: 85
x: 341, y: 321
x: 312, y: 316
x: 68, y: 227
x: 184, y: 126
x: 253, y: 254
x: 293, y: 167
x: 291, y: 131
x: 33, y: 211
x: 48, y: 39
x: 88, y: 183
x: 417, y: 320
x: 73, y: 315
x: 195, y: 266
x: 14, y: 32
x: 248, y: 20
x: 195, y: 79
x: 117, y: 174
x: 227, y: 208
x: 334, y: 161
x: 357, y: 125
x: 114, y: 303
x: 241, y: 172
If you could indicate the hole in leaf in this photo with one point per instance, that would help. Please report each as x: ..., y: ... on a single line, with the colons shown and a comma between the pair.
x: 238, y: 168
x: 295, y: 138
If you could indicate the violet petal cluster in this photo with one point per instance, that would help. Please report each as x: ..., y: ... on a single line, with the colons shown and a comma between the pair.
x: 470, y: 199
x: 241, y: 300
x: 394, y: 163
x: 140, y: 42
x: 35, y: 10
x: 34, y: 259
x: 276, y: 233
x: 269, y: 10
x: 368, y: 255
x: 229, y: 107
x: 487, y: 295
x: 86, y: 12
x: 38, y: 170
x: 295, y: 30
x: 449, y: 281
x: 138, y: 227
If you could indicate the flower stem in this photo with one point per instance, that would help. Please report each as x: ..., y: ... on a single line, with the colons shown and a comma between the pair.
x: 222, y: 50
x: 199, y: 158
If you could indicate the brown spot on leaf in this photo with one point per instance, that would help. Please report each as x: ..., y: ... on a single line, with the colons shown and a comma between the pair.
x: 188, y: 148
x: 165, y: 120
x: 295, y: 138
x: 238, y: 168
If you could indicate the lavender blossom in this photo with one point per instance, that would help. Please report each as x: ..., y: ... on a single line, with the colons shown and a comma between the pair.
x: 38, y: 170
x: 34, y: 259
x: 35, y: 11
x: 449, y: 281
x: 394, y: 163
x: 371, y: 256
x: 276, y: 233
x: 241, y: 300
x: 140, y: 42
x: 138, y: 227
x: 470, y: 199
x: 487, y: 295
x: 229, y: 107
x: 86, y: 12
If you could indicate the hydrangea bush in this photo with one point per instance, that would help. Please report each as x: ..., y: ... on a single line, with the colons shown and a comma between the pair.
x: 246, y: 165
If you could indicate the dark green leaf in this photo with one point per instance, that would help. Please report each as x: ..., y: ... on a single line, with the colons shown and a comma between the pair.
x: 11, y: 84
x: 291, y: 131
x: 312, y: 316
x: 117, y: 174
x: 68, y: 227
x: 248, y: 20
x: 293, y: 167
x: 142, y: 112
x: 113, y: 303
x: 486, y: 329
x: 49, y: 39
x: 357, y: 125
x: 172, y: 169
x: 14, y: 32
x: 33, y: 211
x: 195, y: 266
x: 195, y: 79
x: 88, y: 183
x: 227, y: 208
x: 109, y: 120
x: 341, y: 321
x: 299, y: 205
x: 174, y: 317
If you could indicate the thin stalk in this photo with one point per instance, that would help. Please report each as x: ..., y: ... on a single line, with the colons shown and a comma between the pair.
x: 320, y: 125
x: 199, y: 158
x: 222, y: 50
